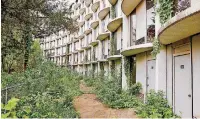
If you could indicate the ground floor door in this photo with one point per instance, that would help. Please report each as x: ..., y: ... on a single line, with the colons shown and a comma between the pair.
x: 182, y: 86
x: 151, y: 70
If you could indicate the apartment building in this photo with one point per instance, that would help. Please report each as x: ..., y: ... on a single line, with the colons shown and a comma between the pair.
x: 116, y: 37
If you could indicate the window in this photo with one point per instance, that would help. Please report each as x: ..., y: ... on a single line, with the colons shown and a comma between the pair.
x: 133, y: 28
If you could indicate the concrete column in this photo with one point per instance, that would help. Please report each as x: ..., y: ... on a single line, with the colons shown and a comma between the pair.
x: 161, y: 69
x: 126, y: 31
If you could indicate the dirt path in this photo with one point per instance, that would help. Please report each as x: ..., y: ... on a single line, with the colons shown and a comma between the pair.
x: 89, y: 106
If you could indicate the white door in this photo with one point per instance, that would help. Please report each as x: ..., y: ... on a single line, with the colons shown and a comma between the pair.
x: 183, y: 89
x: 151, y: 70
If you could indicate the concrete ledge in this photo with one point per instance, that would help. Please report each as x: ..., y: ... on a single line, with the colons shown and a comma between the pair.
x: 88, y: 16
x: 93, y: 43
x: 129, y: 5
x: 77, y: 5
x: 76, y: 17
x: 88, y: 2
x: 102, y: 60
x: 86, y: 32
x: 82, y: 10
x: 102, y: 13
x: 114, y: 57
x: 81, y: 23
x: 183, y: 25
x: 95, y: 6
x: 103, y: 36
x: 114, y: 24
x: 112, y: 2
x: 136, y: 49
x: 94, y: 24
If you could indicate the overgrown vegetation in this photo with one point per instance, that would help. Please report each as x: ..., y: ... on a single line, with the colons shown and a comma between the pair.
x: 156, y: 106
x: 111, y: 94
x: 45, y: 91
x: 165, y: 10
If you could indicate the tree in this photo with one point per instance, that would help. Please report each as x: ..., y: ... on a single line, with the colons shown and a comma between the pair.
x: 24, y: 19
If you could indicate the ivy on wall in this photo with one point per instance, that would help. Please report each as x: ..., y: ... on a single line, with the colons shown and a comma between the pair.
x: 66, y: 56
x: 112, y: 44
x: 93, y: 54
x: 128, y: 71
x: 165, y: 10
x: 112, y: 68
x: 101, y: 65
x: 156, y: 47
x: 85, y: 58
x: 113, y: 13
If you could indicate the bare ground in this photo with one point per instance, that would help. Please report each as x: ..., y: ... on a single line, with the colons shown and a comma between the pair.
x: 89, y: 106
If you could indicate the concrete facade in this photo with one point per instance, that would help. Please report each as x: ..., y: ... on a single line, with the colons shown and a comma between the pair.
x: 118, y: 34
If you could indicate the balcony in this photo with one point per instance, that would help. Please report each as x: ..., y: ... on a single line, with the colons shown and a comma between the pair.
x: 94, y: 43
x: 76, y: 17
x: 77, y: 5
x: 88, y: 31
x: 184, y: 24
x: 116, y: 56
x: 103, y: 36
x: 81, y: 23
x: 102, y: 14
x: 94, y: 24
x: 112, y: 2
x: 136, y: 49
x: 81, y: 36
x: 95, y: 6
x: 88, y: 16
x: 80, y: 49
x: 88, y: 47
x: 82, y: 10
x: 114, y: 24
x: 129, y: 5
x: 88, y: 2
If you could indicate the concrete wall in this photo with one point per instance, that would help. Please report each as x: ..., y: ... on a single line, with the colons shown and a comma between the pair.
x: 161, y: 70
x: 117, y: 66
x: 141, y: 70
x: 119, y: 37
x: 169, y: 75
x: 196, y: 75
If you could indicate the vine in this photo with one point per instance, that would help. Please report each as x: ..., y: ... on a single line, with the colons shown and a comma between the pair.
x: 156, y: 47
x: 127, y: 69
x: 165, y: 10
x: 112, y: 44
x: 113, y: 14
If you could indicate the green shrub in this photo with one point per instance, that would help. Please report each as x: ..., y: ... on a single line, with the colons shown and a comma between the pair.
x: 110, y: 93
x: 135, y: 89
x: 9, y: 108
x: 156, y: 106
x: 46, y: 91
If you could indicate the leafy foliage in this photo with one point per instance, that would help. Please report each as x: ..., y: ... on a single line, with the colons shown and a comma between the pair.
x: 9, y: 108
x: 156, y: 47
x: 46, y: 91
x: 23, y: 19
x: 156, y: 106
x: 165, y: 10
x: 135, y: 89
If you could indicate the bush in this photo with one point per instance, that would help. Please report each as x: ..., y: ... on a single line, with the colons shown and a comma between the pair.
x: 110, y: 93
x: 135, y: 89
x: 46, y: 91
x: 156, y: 106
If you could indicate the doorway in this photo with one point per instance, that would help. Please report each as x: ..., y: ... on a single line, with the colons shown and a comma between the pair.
x: 151, y: 71
x: 182, y: 86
